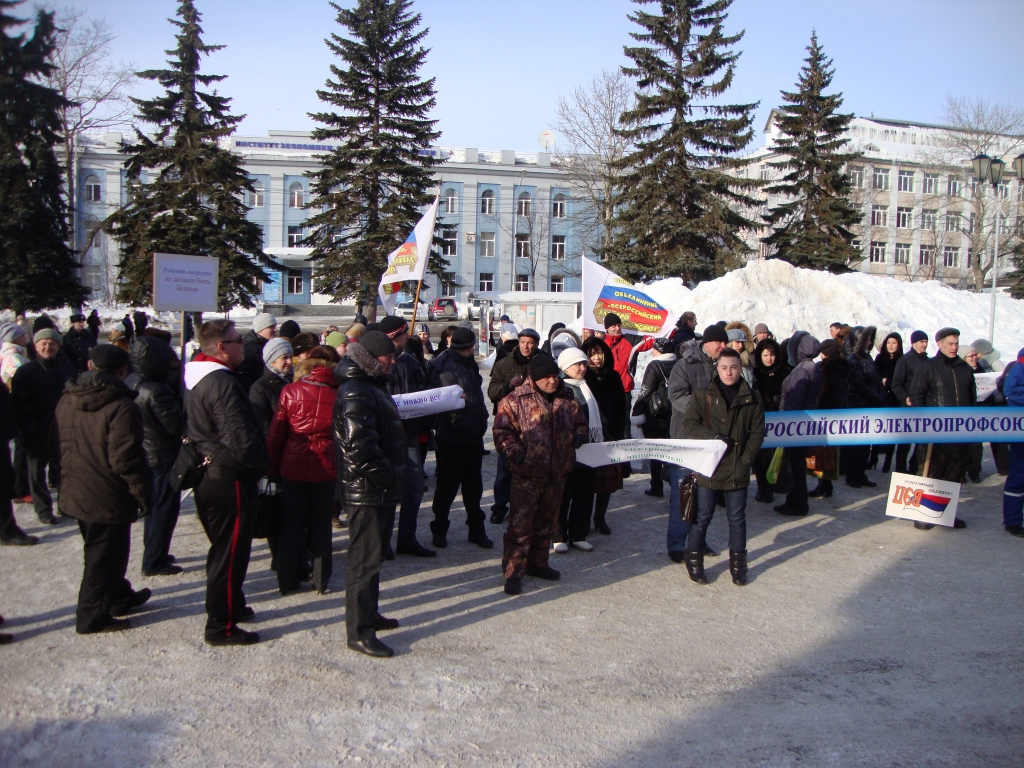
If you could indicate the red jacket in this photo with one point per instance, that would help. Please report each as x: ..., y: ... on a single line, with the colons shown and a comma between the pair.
x: 621, y: 348
x: 301, y: 441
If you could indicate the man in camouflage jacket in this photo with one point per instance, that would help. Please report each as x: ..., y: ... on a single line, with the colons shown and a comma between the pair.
x: 537, y: 429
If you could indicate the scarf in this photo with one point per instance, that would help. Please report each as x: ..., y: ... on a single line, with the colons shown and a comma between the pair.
x: 593, y: 412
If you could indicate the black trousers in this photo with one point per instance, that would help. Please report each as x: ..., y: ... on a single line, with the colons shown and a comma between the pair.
x: 902, y: 453
x: 104, y: 586
x: 39, y: 458
x: 797, y: 498
x: 855, y: 460
x: 226, y: 508
x: 362, y: 568
x: 307, y: 523
x: 8, y: 524
x: 160, y: 522
x: 577, y: 504
x: 21, y: 486
x: 458, y: 464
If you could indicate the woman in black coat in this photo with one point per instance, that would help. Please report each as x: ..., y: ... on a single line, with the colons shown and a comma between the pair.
x: 889, y: 353
x: 770, y: 370
x: 654, y: 425
x: 606, y: 385
x: 834, y: 396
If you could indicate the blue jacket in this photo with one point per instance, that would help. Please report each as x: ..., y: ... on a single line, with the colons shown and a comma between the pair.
x: 1013, y: 386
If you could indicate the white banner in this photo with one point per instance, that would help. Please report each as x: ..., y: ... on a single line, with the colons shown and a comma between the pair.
x: 430, y: 401
x: 409, y: 261
x: 922, y: 499
x: 986, y: 383
x: 604, y: 292
x: 699, y: 455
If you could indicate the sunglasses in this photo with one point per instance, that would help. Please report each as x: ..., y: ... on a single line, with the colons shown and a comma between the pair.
x: 236, y: 340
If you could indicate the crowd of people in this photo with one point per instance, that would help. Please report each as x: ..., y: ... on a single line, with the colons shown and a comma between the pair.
x: 292, y: 432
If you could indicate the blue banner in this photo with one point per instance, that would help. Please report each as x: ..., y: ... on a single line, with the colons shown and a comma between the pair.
x: 885, y: 426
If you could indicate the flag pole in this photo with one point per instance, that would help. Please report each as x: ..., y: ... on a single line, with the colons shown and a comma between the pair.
x: 416, y: 301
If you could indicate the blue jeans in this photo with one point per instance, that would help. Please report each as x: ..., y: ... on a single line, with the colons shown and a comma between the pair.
x: 677, y: 529
x: 735, y: 510
x: 502, y: 485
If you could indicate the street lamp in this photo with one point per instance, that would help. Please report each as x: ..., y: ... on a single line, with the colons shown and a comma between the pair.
x: 991, y: 169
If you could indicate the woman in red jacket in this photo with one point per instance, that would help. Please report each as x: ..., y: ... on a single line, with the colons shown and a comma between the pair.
x: 302, y: 453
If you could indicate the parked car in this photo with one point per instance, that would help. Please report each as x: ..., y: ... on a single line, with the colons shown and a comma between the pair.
x: 443, y: 309
x: 474, y: 309
x: 404, y: 309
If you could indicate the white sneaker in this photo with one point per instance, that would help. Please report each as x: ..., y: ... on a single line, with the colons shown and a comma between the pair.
x: 561, y: 547
x: 586, y: 546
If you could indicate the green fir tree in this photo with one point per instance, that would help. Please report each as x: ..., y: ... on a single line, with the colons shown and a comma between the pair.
x: 680, y: 204
x: 370, y: 189
x: 191, y: 201
x: 37, y: 266
x: 811, y: 225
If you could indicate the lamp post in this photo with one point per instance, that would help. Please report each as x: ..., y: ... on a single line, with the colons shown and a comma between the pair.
x: 991, y: 170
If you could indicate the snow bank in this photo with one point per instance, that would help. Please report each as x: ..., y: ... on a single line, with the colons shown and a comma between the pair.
x: 789, y: 299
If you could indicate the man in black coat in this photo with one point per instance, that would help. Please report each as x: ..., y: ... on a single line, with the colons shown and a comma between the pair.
x: 460, y: 441
x: 224, y: 427
x: 163, y: 423
x: 264, y: 328
x: 78, y: 342
x: 10, y: 533
x: 105, y: 483
x: 902, y: 379
x: 372, y: 473
x: 944, y: 381
x: 37, y: 387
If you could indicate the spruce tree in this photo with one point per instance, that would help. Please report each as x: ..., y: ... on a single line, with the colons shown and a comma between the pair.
x: 37, y: 266
x: 192, y: 201
x: 370, y: 189
x: 811, y: 225
x: 680, y: 210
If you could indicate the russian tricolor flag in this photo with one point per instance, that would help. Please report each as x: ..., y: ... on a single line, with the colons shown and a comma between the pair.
x: 936, y: 504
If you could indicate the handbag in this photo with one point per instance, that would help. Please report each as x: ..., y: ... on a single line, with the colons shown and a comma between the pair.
x: 821, y: 458
x: 189, y: 467
x: 659, y: 406
x: 269, y: 510
x: 688, y: 498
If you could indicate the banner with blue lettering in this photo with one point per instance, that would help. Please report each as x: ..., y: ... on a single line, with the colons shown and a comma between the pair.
x: 884, y: 426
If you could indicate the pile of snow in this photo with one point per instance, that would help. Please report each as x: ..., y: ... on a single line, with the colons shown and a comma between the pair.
x: 789, y: 299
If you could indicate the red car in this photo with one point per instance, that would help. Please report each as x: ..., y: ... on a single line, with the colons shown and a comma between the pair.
x: 443, y: 309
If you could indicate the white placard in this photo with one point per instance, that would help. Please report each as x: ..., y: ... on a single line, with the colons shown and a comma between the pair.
x: 185, y: 283
x: 699, y: 455
x: 430, y: 401
x: 922, y: 499
x: 986, y: 384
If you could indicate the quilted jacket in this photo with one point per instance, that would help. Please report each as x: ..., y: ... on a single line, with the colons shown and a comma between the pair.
x: 300, y: 442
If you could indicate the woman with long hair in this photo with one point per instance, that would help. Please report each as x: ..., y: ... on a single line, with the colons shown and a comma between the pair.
x: 770, y: 370
x: 606, y: 385
x: 889, y: 353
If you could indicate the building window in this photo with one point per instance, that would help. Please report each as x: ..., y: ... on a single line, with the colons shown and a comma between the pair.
x: 524, y: 204
x: 1004, y: 190
x: 929, y: 219
x: 877, y: 255
x: 522, y: 283
x: 856, y: 174
x: 952, y: 222
x: 970, y: 257
x: 294, y: 237
x: 954, y: 186
x: 557, y: 284
x: 855, y: 244
x: 951, y: 256
x: 487, y: 245
x: 1004, y: 227
x: 880, y: 179
x: 904, y: 218
x: 93, y: 190
x: 970, y: 222
x: 902, y: 253
x: 931, y: 183
x: 295, y: 281
x: 449, y: 201
x: 879, y: 216
x: 256, y: 195
x: 449, y: 241
x: 523, y: 246
x: 558, y: 247
x: 486, y: 281
x: 448, y: 283
x: 487, y: 203
x: 924, y: 255
x: 558, y: 207
x: 905, y: 182
x: 766, y: 173
x: 296, y: 195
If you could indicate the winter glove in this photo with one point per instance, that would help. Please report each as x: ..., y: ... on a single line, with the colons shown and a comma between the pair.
x: 517, y: 381
x: 639, y: 420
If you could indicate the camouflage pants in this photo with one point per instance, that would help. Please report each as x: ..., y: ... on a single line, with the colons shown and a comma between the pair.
x: 949, y: 461
x: 533, y: 513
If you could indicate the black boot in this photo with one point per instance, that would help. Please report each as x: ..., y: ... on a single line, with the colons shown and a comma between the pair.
x: 738, y: 567
x: 823, y: 491
x: 439, y: 529
x: 695, y: 565
x: 600, y: 510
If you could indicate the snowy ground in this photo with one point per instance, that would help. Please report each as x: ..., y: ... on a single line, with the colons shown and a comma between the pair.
x: 859, y: 642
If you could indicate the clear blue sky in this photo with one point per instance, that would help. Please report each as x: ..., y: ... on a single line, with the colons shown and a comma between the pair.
x: 500, y: 65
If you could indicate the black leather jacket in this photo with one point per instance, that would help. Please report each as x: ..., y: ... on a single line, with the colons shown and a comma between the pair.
x: 369, y: 435
x: 467, y: 425
x: 407, y: 377
x: 163, y: 420
x: 938, y: 384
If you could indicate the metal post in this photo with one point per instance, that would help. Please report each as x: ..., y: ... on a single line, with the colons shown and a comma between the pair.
x: 995, y: 271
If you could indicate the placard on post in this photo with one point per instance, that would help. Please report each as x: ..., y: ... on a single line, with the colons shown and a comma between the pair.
x: 185, y: 283
x: 922, y: 499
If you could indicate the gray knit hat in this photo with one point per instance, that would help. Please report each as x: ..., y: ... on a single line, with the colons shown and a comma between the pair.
x: 11, y: 332
x: 274, y: 349
x: 47, y: 333
x: 262, y: 321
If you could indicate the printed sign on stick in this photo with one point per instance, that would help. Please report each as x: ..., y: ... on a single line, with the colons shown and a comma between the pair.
x: 185, y: 283
x: 923, y: 499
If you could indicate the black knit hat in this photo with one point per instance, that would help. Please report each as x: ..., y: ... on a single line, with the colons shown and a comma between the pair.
x: 543, y: 366
x: 393, y: 325
x: 377, y: 344
x: 289, y: 329
x: 462, y: 338
x: 612, y: 319
x: 715, y: 333
x: 108, y: 357
x: 917, y: 336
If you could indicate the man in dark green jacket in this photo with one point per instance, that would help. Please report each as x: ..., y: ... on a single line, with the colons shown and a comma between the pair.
x: 730, y: 411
